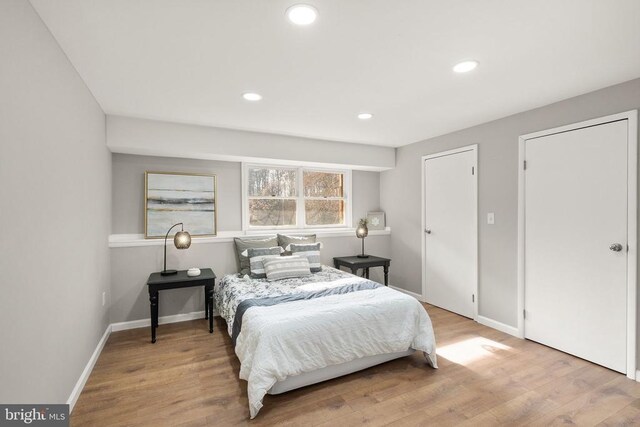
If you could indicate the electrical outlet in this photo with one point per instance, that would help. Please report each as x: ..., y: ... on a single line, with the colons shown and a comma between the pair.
x: 491, y: 218
x: 104, y: 298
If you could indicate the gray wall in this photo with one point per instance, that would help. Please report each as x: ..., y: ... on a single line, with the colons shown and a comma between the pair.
x: 131, y: 266
x: 128, y: 189
x: 55, y: 209
x: 498, y: 189
x: 149, y: 137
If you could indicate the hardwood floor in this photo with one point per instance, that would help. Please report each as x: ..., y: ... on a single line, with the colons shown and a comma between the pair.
x: 190, y: 378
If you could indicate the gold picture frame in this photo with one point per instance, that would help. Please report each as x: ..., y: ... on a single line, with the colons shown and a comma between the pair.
x: 173, y: 197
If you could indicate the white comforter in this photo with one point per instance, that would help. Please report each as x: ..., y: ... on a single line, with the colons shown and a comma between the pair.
x: 288, y: 339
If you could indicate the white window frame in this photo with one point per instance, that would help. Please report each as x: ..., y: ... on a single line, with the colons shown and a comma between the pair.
x: 300, y: 199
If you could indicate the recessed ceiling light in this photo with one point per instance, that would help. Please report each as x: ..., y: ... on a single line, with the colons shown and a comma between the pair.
x: 252, y: 96
x: 365, y: 116
x: 465, y: 66
x: 302, y: 14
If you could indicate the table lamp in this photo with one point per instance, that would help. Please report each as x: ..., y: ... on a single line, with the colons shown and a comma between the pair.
x: 182, y: 240
x: 361, y: 232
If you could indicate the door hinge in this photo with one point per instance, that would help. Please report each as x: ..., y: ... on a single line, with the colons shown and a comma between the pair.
x: 473, y: 298
x: 524, y: 314
x: 524, y: 166
x: 473, y: 170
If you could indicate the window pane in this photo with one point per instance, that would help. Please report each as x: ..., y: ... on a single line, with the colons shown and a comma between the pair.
x: 324, y: 212
x: 272, y: 182
x: 323, y: 184
x: 272, y: 212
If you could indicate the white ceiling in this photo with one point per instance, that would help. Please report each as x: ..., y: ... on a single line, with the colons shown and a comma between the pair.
x: 190, y: 60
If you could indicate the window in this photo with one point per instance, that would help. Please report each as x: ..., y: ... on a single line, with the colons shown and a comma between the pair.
x: 272, y: 197
x: 323, y: 198
x: 288, y: 197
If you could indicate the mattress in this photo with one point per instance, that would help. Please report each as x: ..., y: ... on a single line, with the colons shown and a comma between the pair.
x: 289, y: 332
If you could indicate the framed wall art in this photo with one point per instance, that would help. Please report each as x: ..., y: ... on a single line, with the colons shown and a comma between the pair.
x: 375, y: 220
x: 173, y: 197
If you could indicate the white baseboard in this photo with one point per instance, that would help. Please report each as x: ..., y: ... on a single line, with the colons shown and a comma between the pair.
x: 481, y: 319
x: 638, y: 376
x: 75, y: 393
x: 123, y: 326
x: 142, y: 323
x: 499, y: 326
x: 404, y: 291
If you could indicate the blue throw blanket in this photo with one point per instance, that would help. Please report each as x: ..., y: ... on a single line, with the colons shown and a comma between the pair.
x: 247, y: 304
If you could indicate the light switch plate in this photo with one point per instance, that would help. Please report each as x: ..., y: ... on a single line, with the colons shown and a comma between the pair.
x: 490, y: 218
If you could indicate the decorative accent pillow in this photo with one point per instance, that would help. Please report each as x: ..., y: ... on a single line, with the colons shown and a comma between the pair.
x: 285, y: 240
x: 244, y: 243
x: 286, y: 267
x: 309, y: 251
x: 256, y: 256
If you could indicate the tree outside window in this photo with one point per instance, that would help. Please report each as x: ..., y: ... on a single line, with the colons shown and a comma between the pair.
x: 276, y: 194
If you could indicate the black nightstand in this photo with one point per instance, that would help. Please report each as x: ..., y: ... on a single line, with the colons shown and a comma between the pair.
x: 158, y: 282
x: 354, y: 263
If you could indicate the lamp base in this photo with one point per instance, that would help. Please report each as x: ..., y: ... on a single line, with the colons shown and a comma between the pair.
x: 168, y: 272
x: 362, y: 256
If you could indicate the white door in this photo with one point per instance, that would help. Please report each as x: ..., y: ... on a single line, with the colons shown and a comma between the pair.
x: 576, y: 242
x: 450, y: 218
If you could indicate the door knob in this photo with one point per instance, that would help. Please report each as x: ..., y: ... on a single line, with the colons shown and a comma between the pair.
x: 428, y: 231
x: 616, y: 247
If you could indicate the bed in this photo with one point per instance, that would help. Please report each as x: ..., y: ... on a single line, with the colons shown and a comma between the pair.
x: 295, y: 332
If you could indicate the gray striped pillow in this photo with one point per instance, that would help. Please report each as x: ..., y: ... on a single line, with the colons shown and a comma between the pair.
x: 286, y: 267
x: 257, y: 256
x: 311, y: 251
x: 244, y: 243
x: 285, y: 240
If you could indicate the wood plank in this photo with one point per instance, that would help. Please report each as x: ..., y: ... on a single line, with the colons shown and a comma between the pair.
x: 595, y: 406
x: 190, y: 378
x: 627, y: 416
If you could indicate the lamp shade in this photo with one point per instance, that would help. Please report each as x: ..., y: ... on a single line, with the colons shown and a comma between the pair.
x: 182, y: 240
x: 362, y: 231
